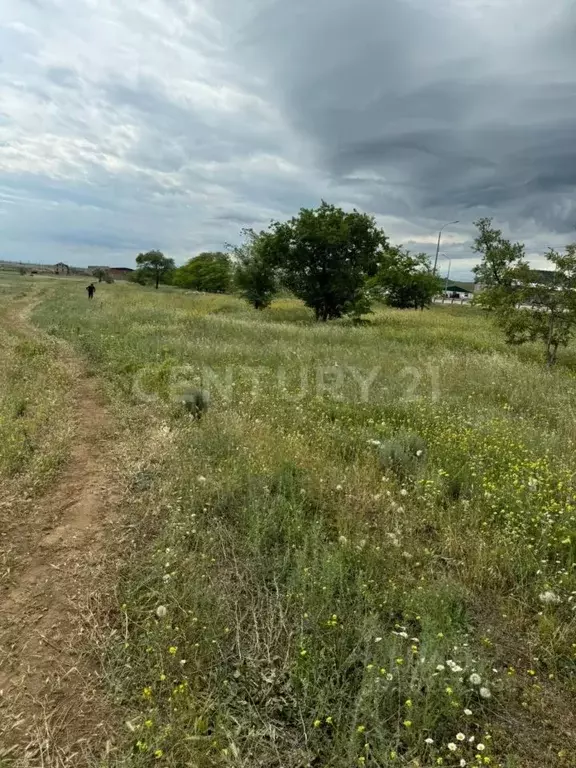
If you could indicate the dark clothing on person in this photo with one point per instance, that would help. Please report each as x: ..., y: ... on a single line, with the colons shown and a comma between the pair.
x: 91, y: 291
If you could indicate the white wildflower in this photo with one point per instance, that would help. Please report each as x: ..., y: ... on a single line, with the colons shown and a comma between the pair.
x: 462, y: 763
x: 403, y: 492
x: 343, y: 540
x: 161, y: 611
x: 429, y: 740
x: 485, y: 693
x: 374, y: 442
x: 440, y: 667
x: 468, y: 712
x: 452, y: 747
x: 480, y: 747
x: 419, y: 453
x: 475, y: 678
x: 549, y: 598
x: 460, y: 737
x: 201, y: 479
x: 338, y: 487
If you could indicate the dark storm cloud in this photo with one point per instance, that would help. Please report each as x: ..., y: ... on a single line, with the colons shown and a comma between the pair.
x: 453, y: 112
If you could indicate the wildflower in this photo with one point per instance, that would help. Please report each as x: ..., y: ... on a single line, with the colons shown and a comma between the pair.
x: 480, y: 747
x: 329, y: 720
x: 389, y: 677
x: 452, y: 747
x: 429, y: 740
x: 161, y: 611
x: 549, y: 598
x: 407, y: 723
x: 485, y: 693
x: 338, y: 487
x: 468, y: 712
x: 317, y: 723
x: 408, y: 703
x: 399, y: 661
x: 343, y: 540
x: 361, y: 729
x: 172, y: 650
x: 475, y: 678
x: 147, y: 692
x: 419, y: 453
x: 462, y: 763
x: 377, y: 639
x: 403, y: 492
x: 148, y: 723
x: 440, y: 667
x: 201, y: 479
x: 158, y: 754
x: 162, y: 677
x: 460, y: 737
x: 303, y: 652
x: 374, y: 442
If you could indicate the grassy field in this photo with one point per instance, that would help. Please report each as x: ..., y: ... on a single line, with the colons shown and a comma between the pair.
x: 363, y: 554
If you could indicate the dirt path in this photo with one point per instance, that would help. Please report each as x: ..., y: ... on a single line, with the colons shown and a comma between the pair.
x: 52, y: 711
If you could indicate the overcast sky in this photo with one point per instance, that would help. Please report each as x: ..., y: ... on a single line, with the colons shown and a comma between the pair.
x: 129, y: 125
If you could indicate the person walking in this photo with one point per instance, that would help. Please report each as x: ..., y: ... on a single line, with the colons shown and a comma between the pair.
x: 91, y: 290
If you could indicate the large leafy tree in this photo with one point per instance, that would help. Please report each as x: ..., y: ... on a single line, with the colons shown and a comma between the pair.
x: 324, y: 256
x: 498, y: 255
x: 254, y: 276
x: 155, y: 265
x: 211, y: 272
x: 407, y: 280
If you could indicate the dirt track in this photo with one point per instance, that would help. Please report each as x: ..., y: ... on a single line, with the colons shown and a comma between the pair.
x: 52, y: 710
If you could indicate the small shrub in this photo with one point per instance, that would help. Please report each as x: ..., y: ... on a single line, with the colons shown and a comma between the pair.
x: 196, y: 402
x: 404, y: 455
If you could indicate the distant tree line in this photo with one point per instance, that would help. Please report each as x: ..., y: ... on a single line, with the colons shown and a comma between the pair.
x: 336, y: 262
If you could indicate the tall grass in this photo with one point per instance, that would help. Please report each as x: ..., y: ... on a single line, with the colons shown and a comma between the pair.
x: 300, y: 592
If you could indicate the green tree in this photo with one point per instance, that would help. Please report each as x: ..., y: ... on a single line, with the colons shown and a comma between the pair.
x: 254, y: 276
x: 211, y: 272
x: 155, y: 265
x: 540, y: 305
x: 100, y: 273
x: 325, y: 256
x: 407, y: 280
x: 498, y: 256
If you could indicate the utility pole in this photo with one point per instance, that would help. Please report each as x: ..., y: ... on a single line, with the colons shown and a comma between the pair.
x: 438, y: 246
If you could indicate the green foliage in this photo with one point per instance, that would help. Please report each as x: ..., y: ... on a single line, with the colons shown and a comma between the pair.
x: 499, y: 255
x: 140, y: 276
x: 404, y: 454
x: 210, y: 272
x: 542, y: 308
x: 254, y: 276
x: 530, y: 305
x: 101, y: 273
x: 155, y: 265
x: 406, y: 279
x: 325, y: 256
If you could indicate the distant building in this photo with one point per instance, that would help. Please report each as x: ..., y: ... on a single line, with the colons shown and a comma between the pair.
x: 118, y: 273
x: 461, y: 290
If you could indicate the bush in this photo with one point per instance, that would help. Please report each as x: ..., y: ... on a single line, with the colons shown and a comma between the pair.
x: 404, y: 455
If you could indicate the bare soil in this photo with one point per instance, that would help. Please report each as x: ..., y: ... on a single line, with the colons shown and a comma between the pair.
x: 52, y: 708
